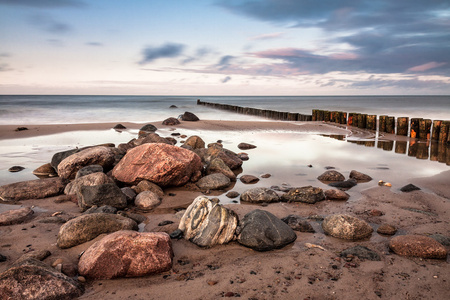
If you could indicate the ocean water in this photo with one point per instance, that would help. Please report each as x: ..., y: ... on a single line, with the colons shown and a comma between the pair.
x: 34, y: 109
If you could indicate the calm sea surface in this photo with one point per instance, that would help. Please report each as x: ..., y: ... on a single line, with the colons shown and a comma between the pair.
x: 17, y: 110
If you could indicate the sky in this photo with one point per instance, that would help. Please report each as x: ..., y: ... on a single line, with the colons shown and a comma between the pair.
x: 225, y: 47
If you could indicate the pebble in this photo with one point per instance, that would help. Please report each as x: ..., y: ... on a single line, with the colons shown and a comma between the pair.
x: 14, y: 169
x: 81, y: 279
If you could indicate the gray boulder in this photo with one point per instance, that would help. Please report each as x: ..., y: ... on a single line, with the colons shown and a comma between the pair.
x: 87, y: 227
x: 217, y: 165
x: 103, y: 194
x: 306, y: 194
x: 207, y: 223
x: 216, y: 181
x: 346, y: 227
x: 73, y: 187
x: 260, y: 195
x: 88, y: 170
x: 262, y: 231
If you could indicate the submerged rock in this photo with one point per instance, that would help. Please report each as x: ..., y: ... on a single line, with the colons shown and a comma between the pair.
x: 260, y: 195
x: 417, y: 246
x: 362, y: 253
x: 146, y: 129
x: 249, y: 179
x: 207, y: 223
x: 127, y: 254
x: 262, y: 231
x: 246, y: 146
x: 346, y: 227
x: 15, y: 169
x: 344, y: 185
x: 306, y: 194
x: 45, y: 170
x: 298, y: 223
x: 409, y: 188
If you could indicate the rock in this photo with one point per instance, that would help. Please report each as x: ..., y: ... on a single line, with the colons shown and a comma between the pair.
x: 146, y: 185
x: 60, y: 156
x: 331, y: 175
x: 74, y: 187
x: 232, y: 194
x: 162, y: 164
x: 99, y: 155
x: 135, y: 217
x: 409, y: 188
x: 298, y: 223
x: 230, y: 159
x: 173, y: 106
x: 207, y: 223
x: 387, y: 229
x: 266, y: 175
x: 195, y: 142
x: 243, y: 156
x: 103, y: 194
x: 21, y: 129
x: 45, y: 171
x: 346, y: 227
x: 248, y: 179
x: 33, y: 189
x: 246, y: 146
x: 217, y: 165
x: 147, y: 200
x: 15, y: 169
x: 260, y: 195
x: 88, y: 170
x: 32, y: 279
x: 417, y: 246
x: 216, y: 181
x: 359, y: 177
x: 127, y: 254
x: 188, y: 116
x: 129, y: 193
x: 336, y: 195
x: 119, y: 127
x: 171, y: 121
x: 36, y: 254
x: 151, y: 138
x: 105, y: 209
x: 344, y: 185
x: 15, y: 216
x: 87, y: 227
x: 306, y: 194
x: 146, y: 129
x: 442, y: 239
x: 262, y: 231
x: 362, y: 253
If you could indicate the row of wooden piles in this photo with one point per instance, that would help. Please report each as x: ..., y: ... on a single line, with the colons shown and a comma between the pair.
x: 437, y: 130
x: 265, y: 113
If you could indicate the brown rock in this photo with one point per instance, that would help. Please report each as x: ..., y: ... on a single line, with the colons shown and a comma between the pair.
x: 147, y: 200
x: 162, y: 164
x: 127, y: 254
x: 387, y: 229
x: 218, y: 166
x: 247, y: 179
x: 100, y: 155
x: 88, y: 180
x: 336, y: 195
x: 146, y: 185
x: 246, y: 146
x: 15, y: 216
x: 358, y: 176
x: 33, y: 189
x: 306, y: 194
x: 417, y: 246
x: 171, y: 121
x: 346, y: 227
x: 331, y: 175
x: 45, y: 171
x: 195, y: 142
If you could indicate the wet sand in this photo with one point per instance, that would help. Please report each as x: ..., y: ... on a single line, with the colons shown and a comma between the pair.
x: 293, y: 272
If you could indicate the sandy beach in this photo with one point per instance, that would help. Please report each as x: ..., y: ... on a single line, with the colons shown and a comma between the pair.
x: 297, y: 271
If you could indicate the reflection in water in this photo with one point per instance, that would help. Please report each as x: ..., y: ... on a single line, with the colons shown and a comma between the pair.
x: 420, y: 149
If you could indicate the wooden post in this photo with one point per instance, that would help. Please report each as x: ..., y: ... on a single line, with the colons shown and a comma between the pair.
x: 390, y: 125
x: 400, y: 147
x: 422, y: 151
x: 326, y: 116
x: 350, y: 119
x: 424, y: 129
x: 371, y: 122
x: 414, y: 132
x: 434, y: 150
x: 362, y: 121
x: 443, y: 134
x: 412, y: 150
x: 436, y: 130
x: 314, y: 114
x: 321, y: 115
x: 402, y: 126
x: 382, y: 124
x: 343, y: 118
x: 442, y: 152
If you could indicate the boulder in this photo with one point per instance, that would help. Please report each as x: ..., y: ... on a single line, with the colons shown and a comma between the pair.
x: 88, y: 170
x: 207, y: 223
x: 146, y: 129
x: 260, y: 195
x: 216, y: 181
x: 306, y: 194
x: 99, y: 155
x: 45, y: 170
x: 146, y: 185
x: 105, y: 209
x: 298, y: 223
x: 119, y: 127
x: 409, y: 188
x: 331, y: 175
x: 417, y: 246
x: 230, y: 158
x: 334, y: 194
x: 147, y: 200
x: 171, y: 121
x: 246, y: 146
x: 387, y: 229
x: 262, y: 231
x: 103, y: 194
x: 359, y: 177
x: 151, y: 138
x: 162, y: 164
x: 344, y: 185
x: 127, y: 254
x: 195, y: 142
x: 129, y: 193
x: 346, y: 227
x: 33, y: 189
x: 249, y: 179
x: 88, y: 180
x: 361, y: 252
x: 87, y: 227
x: 188, y: 116
x: 15, y: 216
x: 217, y: 165
x: 60, y: 156
x: 32, y: 279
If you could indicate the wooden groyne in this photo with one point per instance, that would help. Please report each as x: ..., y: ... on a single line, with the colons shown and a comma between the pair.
x: 265, y: 113
x: 426, y: 129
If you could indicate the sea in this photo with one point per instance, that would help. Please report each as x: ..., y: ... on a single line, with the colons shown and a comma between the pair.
x: 69, y: 109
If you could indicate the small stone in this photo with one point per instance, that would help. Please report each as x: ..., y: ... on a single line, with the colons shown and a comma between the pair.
x: 229, y: 294
x: 232, y: 194
x: 246, y: 146
x: 15, y: 169
x: 387, y: 229
x: 21, y: 128
x: 376, y: 213
x: 360, y: 177
x: 212, y: 282
x: 248, y: 179
x: 409, y: 188
x: 335, y: 194
x: 267, y: 175
x: 417, y: 246
x: 59, y: 261
x: 119, y: 127
x: 81, y: 279
x: 331, y: 175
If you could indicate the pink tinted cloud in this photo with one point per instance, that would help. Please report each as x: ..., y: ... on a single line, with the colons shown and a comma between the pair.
x: 427, y: 66
x: 282, y: 52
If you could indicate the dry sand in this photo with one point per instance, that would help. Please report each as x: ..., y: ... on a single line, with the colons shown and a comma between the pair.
x: 293, y: 272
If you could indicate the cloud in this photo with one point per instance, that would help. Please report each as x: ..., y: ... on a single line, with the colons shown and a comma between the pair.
x: 94, y: 44
x: 225, y: 62
x: 4, y: 67
x: 199, y: 54
x: 226, y: 79
x: 267, y: 36
x: 47, y: 23
x: 427, y: 66
x: 44, y: 3
x: 168, y: 50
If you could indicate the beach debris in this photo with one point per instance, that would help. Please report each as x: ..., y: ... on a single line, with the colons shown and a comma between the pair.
x: 346, y: 227
x: 310, y: 246
x: 361, y: 252
x: 15, y: 169
x: 417, y: 246
x: 360, y: 177
x: 334, y: 194
x: 306, y: 194
x: 21, y: 128
x: 260, y: 195
x: 207, y: 223
x: 248, y: 179
x: 32, y: 189
x: 382, y: 183
x: 246, y: 146
x: 298, y: 223
x: 331, y: 175
x: 57, y: 213
x: 15, y: 216
x: 262, y: 231
x: 127, y: 254
x: 409, y: 188
x: 190, y: 117
x: 171, y: 122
